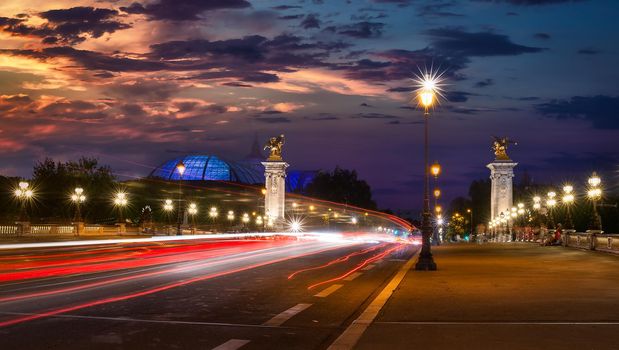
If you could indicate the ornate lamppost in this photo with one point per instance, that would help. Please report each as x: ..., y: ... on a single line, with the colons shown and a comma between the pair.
x: 193, y: 210
x: 435, y: 169
x: 180, y: 168
x: 213, y: 213
x: 550, y: 203
x: 168, y: 207
x: 595, y: 194
x: 470, y: 212
x: 568, y: 200
x: 78, y: 198
x: 120, y: 201
x: 24, y: 194
x: 426, y: 95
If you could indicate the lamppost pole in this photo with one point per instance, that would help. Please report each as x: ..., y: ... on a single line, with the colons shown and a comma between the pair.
x: 550, y: 203
x: 436, y: 170
x: 425, y: 262
x: 78, y: 197
x: 595, y: 193
x: 470, y: 212
x: 568, y: 199
x: 180, y: 167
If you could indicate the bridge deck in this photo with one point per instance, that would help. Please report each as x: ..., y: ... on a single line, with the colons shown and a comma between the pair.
x: 504, y: 296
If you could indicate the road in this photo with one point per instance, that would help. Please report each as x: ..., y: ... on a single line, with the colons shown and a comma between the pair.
x: 199, y: 294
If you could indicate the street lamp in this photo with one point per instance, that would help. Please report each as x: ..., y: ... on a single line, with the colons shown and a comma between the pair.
x: 78, y: 198
x: 435, y: 169
x: 568, y: 200
x: 23, y: 193
x: 180, y: 168
x: 120, y: 201
x: 193, y: 210
x: 426, y: 94
x: 537, y: 202
x: 470, y: 212
x: 168, y: 206
x: 595, y: 194
x: 550, y: 203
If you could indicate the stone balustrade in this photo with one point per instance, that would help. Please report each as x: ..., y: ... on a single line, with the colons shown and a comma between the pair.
x: 592, y: 240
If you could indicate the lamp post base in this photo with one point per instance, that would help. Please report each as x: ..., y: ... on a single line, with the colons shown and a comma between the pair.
x: 425, y: 262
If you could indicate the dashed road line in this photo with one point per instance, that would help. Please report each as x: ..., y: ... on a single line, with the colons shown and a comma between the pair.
x: 286, y: 315
x: 327, y: 291
x: 353, y: 333
x: 232, y: 344
x: 353, y: 276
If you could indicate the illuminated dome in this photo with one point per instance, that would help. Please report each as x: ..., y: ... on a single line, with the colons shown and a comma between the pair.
x: 203, y: 167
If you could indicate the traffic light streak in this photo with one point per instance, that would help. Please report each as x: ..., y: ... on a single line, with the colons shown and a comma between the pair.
x: 338, y: 260
x: 360, y: 266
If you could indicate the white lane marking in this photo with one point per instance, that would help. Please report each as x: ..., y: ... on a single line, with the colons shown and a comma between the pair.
x: 369, y: 267
x: 353, y: 333
x: 353, y: 276
x: 286, y: 315
x: 327, y: 291
x: 232, y: 344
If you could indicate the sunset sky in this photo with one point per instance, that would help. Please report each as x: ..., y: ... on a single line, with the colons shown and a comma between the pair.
x: 137, y: 82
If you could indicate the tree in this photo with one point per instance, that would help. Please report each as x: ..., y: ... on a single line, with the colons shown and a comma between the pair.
x: 479, y: 192
x: 456, y: 226
x: 341, y: 186
x: 55, y: 181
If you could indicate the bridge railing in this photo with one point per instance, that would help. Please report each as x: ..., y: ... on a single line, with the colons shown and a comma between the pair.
x: 592, y: 240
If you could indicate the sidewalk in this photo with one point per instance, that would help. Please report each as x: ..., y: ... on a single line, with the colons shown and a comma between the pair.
x: 503, y: 296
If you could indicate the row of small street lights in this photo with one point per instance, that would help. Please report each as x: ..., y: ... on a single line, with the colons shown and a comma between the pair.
x: 594, y: 193
x: 24, y: 193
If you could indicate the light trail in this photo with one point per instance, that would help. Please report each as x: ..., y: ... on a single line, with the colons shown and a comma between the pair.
x: 146, y: 240
x: 221, y: 248
x: 360, y: 266
x: 254, y: 254
x: 164, y: 287
x: 338, y: 260
x: 135, y: 254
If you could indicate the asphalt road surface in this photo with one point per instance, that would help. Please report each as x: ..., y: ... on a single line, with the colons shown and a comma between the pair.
x: 200, y: 294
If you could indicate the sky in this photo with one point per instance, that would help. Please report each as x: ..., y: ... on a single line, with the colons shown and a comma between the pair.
x: 137, y: 82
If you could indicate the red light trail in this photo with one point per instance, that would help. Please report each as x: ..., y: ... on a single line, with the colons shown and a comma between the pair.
x: 360, y: 266
x: 338, y: 260
x: 165, y: 256
x: 290, y: 251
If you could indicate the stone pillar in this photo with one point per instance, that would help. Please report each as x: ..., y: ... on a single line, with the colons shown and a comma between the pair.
x: 501, y: 194
x: 275, y: 197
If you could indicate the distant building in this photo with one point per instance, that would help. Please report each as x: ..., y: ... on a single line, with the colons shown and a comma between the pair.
x: 249, y: 170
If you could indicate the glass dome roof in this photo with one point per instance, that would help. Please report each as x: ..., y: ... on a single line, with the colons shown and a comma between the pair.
x: 202, y: 167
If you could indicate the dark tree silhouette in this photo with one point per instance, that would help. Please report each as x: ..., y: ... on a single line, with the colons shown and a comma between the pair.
x: 55, y: 181
x: 341, y: 186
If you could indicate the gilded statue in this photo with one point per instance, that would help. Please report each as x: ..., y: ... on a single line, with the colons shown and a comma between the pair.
x: 500, y: 147
x: 275, y: 146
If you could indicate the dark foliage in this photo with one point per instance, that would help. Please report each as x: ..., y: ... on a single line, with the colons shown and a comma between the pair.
x: 341, y: 186
x: 55, y: 181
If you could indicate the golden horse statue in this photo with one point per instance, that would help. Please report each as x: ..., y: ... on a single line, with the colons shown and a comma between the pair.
x: 500, y: 147
x: 275, y: 145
